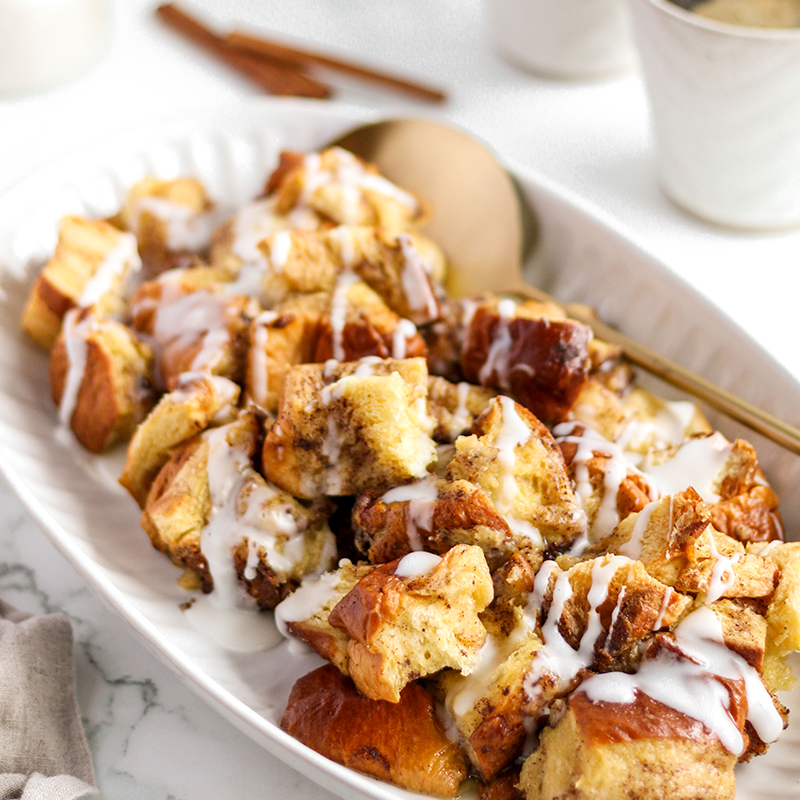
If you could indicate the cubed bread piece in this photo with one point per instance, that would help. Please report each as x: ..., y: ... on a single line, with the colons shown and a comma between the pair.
x: 609, y: 487
x: 345, y: 190
x: 655, y: 424
x: 193, y: 330
x: 402, y: 742
x: 514, y: 459
x: 195, y: 403
x: 311, y: 328
x: 675, y: 540
x: 213, y: 513
x: 304, y: 613
x: 342, y: 428
x: 600, y: 409
x: 398, y: 267
x: 406, y: 621
x: 433, y: 514
x: 102, y: 376
x: 530, y: 351
x: 489, y: 706
x: 445, y: 337
x: 653, y: 751
x: 171, y: 219
x: 783, y: 614
x: 91, y: 262
x: 455, y: 406
x: 504, y: 787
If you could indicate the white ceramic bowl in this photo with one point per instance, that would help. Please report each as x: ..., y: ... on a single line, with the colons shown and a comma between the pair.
x: 562, y: 38
x: 725, y: 103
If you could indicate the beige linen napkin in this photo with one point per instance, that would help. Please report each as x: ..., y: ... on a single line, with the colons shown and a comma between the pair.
x: 43, y: 749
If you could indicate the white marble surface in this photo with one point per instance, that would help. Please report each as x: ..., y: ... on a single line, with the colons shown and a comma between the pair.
x: 150, y: 736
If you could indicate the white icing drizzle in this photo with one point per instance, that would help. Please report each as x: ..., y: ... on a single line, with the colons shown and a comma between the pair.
x: 664, y: 606
x: 75, y: 336
x: 633, y: 547
x: 497, y: 359
x: 404, y: 330
x: 257, y: 357
x: 415, y: 281
x: 280, y: 247
x: 556, y: 658
x: 697, y: 463
x: 343, y: 235
x: 462, y: 419
x: 243, y: 506
x: 305, y: 602
x: 668, y: 427
x: 690, y: 686
x: 352, y: 177
x: 417, y: 564
x: 186, y: 229
x: 122, y: 256
x: 421, y: 497
x: 723, y: 576
x: 617, y: 467
x: 181, y: 320
x: 339, y: 304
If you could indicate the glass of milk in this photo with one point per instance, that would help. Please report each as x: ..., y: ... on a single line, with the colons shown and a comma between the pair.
x: 44, y: 43
x: 723, y: 83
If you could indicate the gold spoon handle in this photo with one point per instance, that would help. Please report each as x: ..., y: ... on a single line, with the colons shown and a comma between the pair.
x: 729, y: 404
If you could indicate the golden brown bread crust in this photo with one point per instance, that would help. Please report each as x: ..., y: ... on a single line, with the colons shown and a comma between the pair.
x: 193, y: 329
x: 299, y: 331
x: 115, y: 391
x: 541, y: 361
x: 334, y: 199
x: 400, y: 742
x: 179, y: 507
x: 147, y: 203
x: 652, y: 750
x: 535, y: 488
x: 403, y: 628
x: 503, y: 787
x: 82, y: 246
x: 340, y: 431
x: 190, y: 408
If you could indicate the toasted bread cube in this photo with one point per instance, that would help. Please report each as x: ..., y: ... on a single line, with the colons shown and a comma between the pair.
x: 345, y: 190
x: 674, y: 539
x: 194, y: 329
x: 300, y: 330
x: 404, y: 626
x: 783, y: 614
x: 196, y: 401
x: 652, y: 750
x: 101, y: 375
x: 171, y: 219
x: 210, y: 511
x: 304, y: 613
x: 398, y: 267
x: 91, y: 262
x: 455, y: 406
x: 530, y: 351
x: 490, y: 706
x: 434, y: 515
x: 610, y: 488
x: 342, y: 428
x: 401, y: 742
x: 515, y: 461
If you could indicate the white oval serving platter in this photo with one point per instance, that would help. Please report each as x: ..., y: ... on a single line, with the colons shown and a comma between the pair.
x: 578, y: 255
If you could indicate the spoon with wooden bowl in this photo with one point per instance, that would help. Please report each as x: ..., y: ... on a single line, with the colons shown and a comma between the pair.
x: 469, y: 188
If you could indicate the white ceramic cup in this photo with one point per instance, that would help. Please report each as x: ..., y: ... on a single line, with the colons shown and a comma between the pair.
x: 44, y: 43
x: 562, y: 38
x: 725, y: 108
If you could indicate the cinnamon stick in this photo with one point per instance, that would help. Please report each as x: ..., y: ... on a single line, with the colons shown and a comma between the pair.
x: 275, y: 78
x: 245, y: 43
